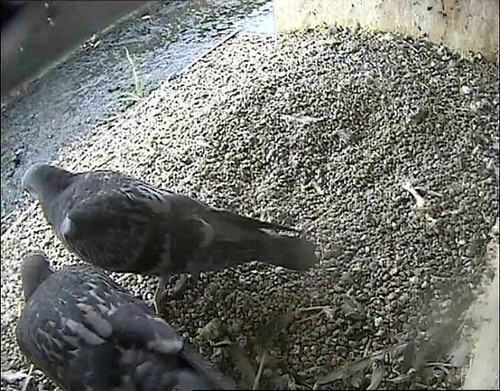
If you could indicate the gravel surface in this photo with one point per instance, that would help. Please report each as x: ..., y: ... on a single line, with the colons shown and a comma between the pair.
x: 382, y: 149
x: 90, y: 86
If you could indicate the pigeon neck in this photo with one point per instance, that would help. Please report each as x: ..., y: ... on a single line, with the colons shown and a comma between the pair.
x: 54, y: 186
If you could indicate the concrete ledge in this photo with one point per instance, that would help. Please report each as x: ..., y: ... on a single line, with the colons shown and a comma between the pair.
x: 483, y: 371
x: 463, y: 25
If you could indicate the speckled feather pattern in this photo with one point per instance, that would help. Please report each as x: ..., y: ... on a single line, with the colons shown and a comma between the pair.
x: 86, y: 332
x: 123, y: 224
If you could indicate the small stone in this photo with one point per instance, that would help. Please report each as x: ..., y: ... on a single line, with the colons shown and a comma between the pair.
x: 212, y: 331
x: 466, y: 90
x: 208, y: 135
x: 267, y: 373
x: 447, y: 303
x: 393, y: 271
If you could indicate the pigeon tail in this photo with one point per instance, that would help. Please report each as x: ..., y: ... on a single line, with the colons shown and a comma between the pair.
x: 293, y: 253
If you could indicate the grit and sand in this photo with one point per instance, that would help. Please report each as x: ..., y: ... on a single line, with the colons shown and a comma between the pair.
x: 382, y: 149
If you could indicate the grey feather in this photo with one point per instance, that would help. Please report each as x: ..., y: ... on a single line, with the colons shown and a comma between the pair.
x: 95, y: 320
x: 123, y: 224
x: 85, y: 332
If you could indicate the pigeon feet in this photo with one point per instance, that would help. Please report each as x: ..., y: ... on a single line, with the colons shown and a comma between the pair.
x: 177, y: 292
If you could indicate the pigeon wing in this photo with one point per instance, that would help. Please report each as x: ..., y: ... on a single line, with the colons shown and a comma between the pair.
x: 63, y: 331
x: 250, y: 223
x: 110, y: 207
x: 116, y: 228
x: 132, y: 326
x: 162, y: 356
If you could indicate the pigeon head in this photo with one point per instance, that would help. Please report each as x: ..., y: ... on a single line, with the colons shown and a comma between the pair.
x: 34, y: 270
x: 44, y: 180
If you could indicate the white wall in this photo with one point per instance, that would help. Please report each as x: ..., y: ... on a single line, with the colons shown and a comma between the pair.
x: 464, y: 25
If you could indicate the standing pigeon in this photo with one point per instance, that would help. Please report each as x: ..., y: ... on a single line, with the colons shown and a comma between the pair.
x: 119, y: 223
x: 87, y: 333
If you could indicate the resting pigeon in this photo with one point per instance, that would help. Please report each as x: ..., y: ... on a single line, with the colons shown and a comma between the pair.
x: 87, y: 333
x: 119, y: 223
